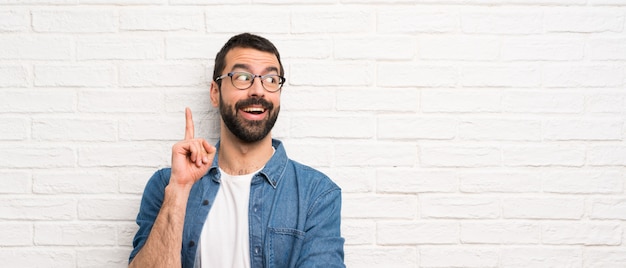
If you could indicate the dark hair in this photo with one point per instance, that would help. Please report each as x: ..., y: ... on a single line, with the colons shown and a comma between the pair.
x: 244, y: 40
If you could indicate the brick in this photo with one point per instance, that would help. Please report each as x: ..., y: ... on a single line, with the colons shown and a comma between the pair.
x: 502, y: 21
x: 133, y: 180
x: 119, y: 155
x: 374, y: 48
x: 221, y: 20
x: 607, y: 2
x: 544, y: 155
x: 149, y: 75
x: 533, y: 256
x: 14, y: 129
x: 500, y: 232
x: 192, y: 47
x: 304, y: 47
x: 14, y: 76
x: 606, y: 102
x: 582, y: 233
x: 412, y: 75
x: 41, y: 2
x: 126, y: 232
x: 331, y: 74
x: 458, y: 48
x: 405, y: 180
x: 606, y: 155
x: 459, y: 207
x: 583, y: 20
x: 123, y: 2
x: 37, y: 156
x: 332, y: 127
x: 153, y: 128
x: 553, y: 49
x: 16, y: 182
x: 34, y: 257
x: 572, y: 76
x: 120, y: 101
x: 36, y: 101
x: 108, y: 257
x: 584, y: 182
x: 353, y: 179
x: 342, y: 21
x: 416, y: 20
x: 379, y: 99
x: 499, y: 181
x: 608, y: 209
x: 309, y: 99
x: 55, y: 208
x: 460, y: 100
x: 491, y: 129
x: 500, y: 76
x: 379, y: 207
x: 74, y: 182
x: 584, y: 129
x: 564, y: 102
x: 75, y: 234
x: 61, y: 129
x: 205, y: 2
x: 412, y: 127
x: 459, y: 156
x: 75, y: 21
x: 607, y: 49
x: 358, y: 232
x: 161, y: 19
x: 371, y: 257
x: 554, y: 208
x: 14, y: 21
x: 420, y: 232
x: 316, y: 154
x: 457, y: 256
x: 198, y: 99
x: 121, y: 208
x: 604, y: 257
x: 16, y: 234
x: 380, y: 154
x: 119, y: 48
x: 35, y: 47
x: 75, y: 75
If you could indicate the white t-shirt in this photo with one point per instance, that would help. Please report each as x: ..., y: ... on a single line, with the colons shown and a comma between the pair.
x: 225, y: 241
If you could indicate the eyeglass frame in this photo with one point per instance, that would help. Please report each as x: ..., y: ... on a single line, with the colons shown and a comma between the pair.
x: 230, y: 74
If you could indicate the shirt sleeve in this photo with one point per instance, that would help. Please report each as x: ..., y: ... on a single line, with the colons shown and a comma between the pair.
x: 323, y: 243
x: 151, y: 202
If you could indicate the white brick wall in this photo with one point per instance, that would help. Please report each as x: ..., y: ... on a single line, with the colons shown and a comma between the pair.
x: 488, y: 133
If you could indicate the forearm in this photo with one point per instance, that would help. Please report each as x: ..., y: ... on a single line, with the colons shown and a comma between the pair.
x: 163, y: 245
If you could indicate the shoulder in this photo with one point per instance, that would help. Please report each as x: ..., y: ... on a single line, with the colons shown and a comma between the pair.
x: 312, y: 178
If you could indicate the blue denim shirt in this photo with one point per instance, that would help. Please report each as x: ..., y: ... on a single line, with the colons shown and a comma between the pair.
x: 294, y: 214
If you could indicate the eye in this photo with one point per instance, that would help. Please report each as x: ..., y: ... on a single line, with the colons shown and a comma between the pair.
x: 242, y: 77
x: 271, y: 79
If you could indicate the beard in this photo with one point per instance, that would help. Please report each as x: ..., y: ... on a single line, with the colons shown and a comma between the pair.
x: 246, y: 130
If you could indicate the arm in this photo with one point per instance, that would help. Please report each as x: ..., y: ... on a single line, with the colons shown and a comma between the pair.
x: 190, y: 161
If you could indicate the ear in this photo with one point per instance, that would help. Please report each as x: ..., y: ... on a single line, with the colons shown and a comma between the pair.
x: 215, y: 94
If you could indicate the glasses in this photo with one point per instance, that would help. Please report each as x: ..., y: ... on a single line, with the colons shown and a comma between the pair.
x: 244, y: 80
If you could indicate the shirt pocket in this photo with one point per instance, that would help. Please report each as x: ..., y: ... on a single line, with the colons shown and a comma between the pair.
x: 284, y: 246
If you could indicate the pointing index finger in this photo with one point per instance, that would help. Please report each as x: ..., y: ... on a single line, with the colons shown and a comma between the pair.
x: 188, y: 124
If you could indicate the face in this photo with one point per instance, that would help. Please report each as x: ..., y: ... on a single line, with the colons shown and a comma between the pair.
x: 248, y: 114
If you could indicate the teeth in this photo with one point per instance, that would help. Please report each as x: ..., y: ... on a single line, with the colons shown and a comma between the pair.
x: 253, y: 109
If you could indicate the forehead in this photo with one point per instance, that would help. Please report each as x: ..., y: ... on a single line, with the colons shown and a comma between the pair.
x: 252, y: 58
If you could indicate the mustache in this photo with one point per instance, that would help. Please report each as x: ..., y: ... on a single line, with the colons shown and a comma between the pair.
x: 254, y: 101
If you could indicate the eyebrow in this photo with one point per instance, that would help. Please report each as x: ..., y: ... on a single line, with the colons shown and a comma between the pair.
x: 247, y: 67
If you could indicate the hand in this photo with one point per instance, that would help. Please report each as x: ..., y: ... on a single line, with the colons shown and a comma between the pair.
x: 191, y: 158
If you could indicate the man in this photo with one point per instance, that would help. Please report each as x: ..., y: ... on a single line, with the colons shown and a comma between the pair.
x: 242, y: 203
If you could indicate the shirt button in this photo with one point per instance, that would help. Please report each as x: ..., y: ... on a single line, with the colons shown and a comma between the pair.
x: 205, y: 202
x: 192, y: 243
x: 256, y: 250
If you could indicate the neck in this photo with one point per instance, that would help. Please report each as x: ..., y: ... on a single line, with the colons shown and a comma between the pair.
x: 239, y: 158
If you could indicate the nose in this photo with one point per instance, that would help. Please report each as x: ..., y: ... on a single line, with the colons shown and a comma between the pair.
x: 256, y: 90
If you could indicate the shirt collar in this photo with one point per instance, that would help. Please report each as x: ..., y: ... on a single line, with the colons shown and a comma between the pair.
x: 273, y: 170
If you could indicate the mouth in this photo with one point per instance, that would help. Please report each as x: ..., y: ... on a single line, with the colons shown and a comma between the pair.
x: 254, y: 110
